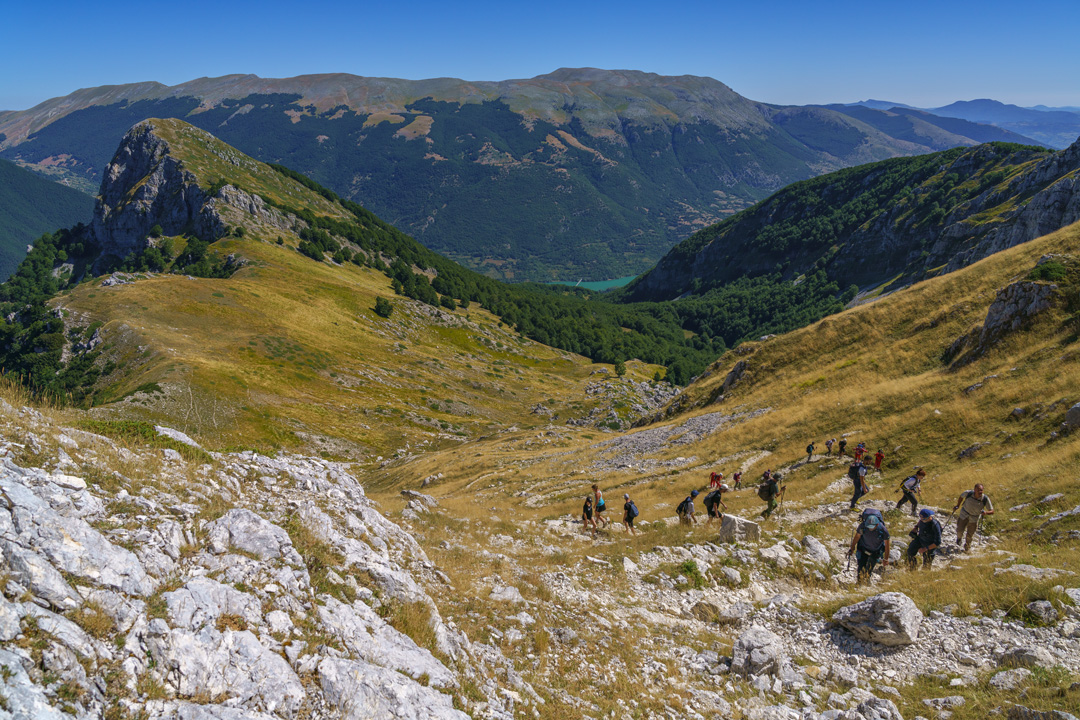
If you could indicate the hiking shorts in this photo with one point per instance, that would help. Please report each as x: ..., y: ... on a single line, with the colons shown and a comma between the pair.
x: 714, y: 512
x: 587, y: 514
x: 968, y: 526
x: 629, y: 521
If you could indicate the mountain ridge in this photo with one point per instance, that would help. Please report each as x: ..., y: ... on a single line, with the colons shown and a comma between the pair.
x: 581, y: 173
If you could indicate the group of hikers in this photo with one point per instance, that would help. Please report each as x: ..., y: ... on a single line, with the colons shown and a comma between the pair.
x: 871, y: 543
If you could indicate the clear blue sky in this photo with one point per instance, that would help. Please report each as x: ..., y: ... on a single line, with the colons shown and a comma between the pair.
x: 921, y: 53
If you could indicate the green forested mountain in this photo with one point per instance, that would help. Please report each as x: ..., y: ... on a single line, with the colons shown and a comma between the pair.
x: 31, y: 205
x: 880, y: 225
x: 578, y: 174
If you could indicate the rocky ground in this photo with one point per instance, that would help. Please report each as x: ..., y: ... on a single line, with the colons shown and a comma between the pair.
x: 170, y: 582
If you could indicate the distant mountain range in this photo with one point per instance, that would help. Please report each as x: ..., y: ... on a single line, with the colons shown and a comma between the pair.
x: 1056, y: 127
x: 577, y: 174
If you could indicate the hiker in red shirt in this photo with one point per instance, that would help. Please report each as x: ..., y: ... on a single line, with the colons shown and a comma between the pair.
x: 715, y: 479
x: 878, y: 457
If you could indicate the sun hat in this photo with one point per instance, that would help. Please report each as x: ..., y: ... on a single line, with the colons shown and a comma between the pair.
x: 872, y: 522
x: 926, y: 512
x: 724, y: 487
x: 693, y: 493
x: 625, y: 496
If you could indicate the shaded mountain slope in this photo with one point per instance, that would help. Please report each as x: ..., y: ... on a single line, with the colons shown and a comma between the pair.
x: 580, y: 173
x: 886, y: 224
x: 30, y: 206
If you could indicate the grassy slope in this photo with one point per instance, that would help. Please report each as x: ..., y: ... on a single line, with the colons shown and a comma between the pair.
x: 290, y: 350
x: 872, y: 372
x: 31, y: 205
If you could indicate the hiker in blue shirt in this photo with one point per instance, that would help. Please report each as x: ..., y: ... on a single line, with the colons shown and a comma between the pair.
x: 925, y: 540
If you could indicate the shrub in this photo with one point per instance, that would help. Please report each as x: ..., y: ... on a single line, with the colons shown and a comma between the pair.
x: 383, y: 308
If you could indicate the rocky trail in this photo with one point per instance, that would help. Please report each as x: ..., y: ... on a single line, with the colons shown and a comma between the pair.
x: 171, y: 582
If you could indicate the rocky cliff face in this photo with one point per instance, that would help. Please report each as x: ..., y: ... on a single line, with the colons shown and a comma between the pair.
x: 143, y: 186
x: 201, y: 590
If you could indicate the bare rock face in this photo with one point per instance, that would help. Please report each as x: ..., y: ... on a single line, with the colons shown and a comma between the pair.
x: 143, y: 186
x: 888, y: 619
x: 1014, y: 307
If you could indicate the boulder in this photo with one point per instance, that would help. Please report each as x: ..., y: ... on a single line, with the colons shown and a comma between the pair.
x: 733, y: 575
x: 1043, y: 611
x: 1010, y: 679
x: 507, y: 593
x: 1027, y: 657
x: 1072, y: 419
x: 758, y: 651
x: 362, y: 691
x: 23, y: 698
x: 889, y: 619
x: 734, y: 613
x: 736, y: 529
x: 778, y: 554
x: 816, y: 552
x: 244, y: 530
x: 372, y: 639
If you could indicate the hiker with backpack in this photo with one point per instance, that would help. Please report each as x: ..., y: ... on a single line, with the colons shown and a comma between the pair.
x: 843, y: 447
x: 973, y: 506
x: 599, y: 506
x: 857, y: 475
x: 809, y: 452
x: 714, y: 501
x: 878, y: 457
x: 685, y: 509
x: 737, y: 477
x: 860, y: 450
x: 870, y: 544
x: 630, y: 513
x: 828, y: 445
x: 769, y: 491
x: 912, y: 487
x: 925, y: 540
x: 715, y: 480
x: 587, y: 514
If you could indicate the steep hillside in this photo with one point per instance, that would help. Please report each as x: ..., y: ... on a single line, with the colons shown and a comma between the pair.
x: 881, y: 225
x: 578, y: 174
x: 887, y: 374
x: 148, y: 576
x: 207, y: 278
x: 29, y: 206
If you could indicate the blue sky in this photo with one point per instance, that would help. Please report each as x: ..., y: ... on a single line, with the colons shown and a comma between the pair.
x: 921, y: 53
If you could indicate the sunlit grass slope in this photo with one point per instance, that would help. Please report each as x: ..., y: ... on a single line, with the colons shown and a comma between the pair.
x: 288, y: 352
x: 873, y: 373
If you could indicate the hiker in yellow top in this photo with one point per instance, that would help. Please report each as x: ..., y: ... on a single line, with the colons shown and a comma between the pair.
x: 973, y: 505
